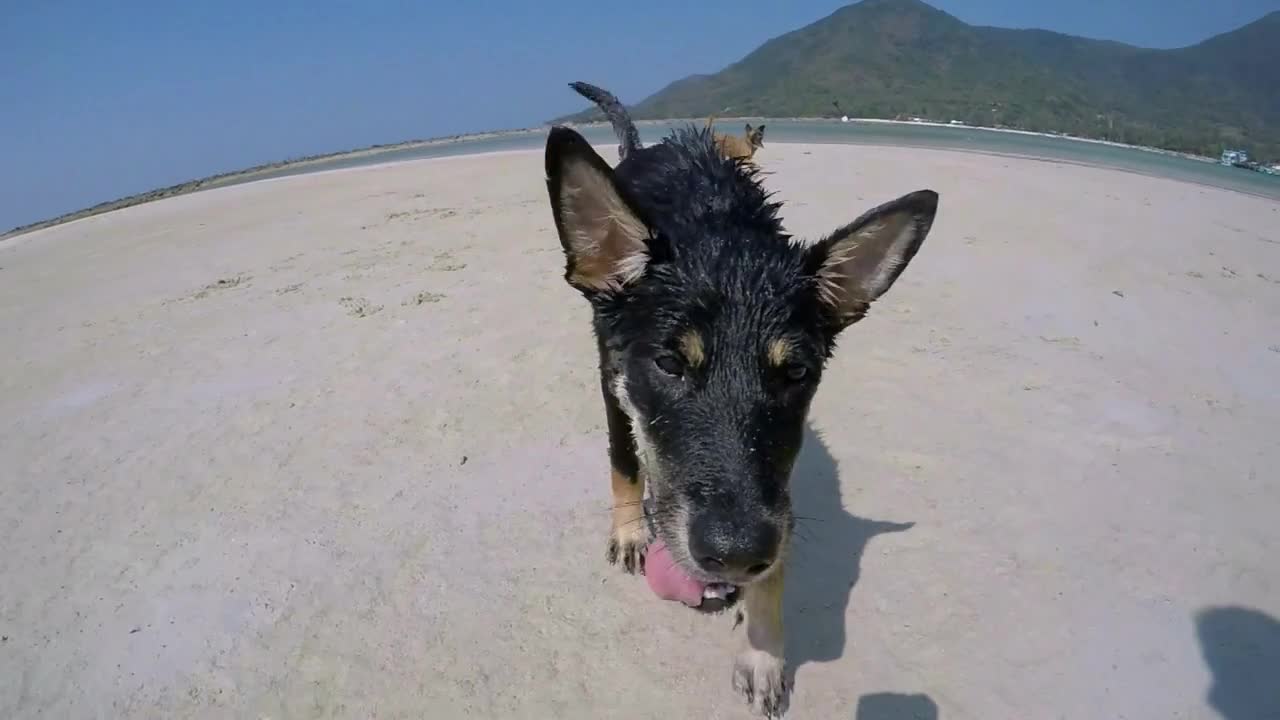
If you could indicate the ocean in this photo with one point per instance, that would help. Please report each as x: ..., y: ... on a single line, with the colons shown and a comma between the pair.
x: 860, y: 133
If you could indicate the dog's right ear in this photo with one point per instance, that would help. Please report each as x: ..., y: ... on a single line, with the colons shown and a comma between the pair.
x: 603, y: 236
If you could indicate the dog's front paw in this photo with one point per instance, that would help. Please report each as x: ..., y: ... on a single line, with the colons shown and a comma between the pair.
x: 627, y: 544
x: 761, y: 678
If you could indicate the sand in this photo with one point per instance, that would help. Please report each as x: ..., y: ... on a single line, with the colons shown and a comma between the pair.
x: 332, y: 446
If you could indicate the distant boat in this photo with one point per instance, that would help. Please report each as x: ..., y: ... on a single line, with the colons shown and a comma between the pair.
x: 1234, y: 158
x: 1240, y: 159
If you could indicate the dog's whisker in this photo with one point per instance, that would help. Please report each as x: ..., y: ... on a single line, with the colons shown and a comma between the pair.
x: 800, y: 538
x: 657, y: 517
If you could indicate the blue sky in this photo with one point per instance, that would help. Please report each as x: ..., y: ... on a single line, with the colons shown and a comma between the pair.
x: 100, y: 100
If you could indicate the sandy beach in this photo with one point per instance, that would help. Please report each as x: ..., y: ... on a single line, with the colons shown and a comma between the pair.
x: 332, y: 446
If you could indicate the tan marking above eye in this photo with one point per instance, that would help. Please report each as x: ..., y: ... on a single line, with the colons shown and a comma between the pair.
x: 779, y: 352
x: 692, y: 349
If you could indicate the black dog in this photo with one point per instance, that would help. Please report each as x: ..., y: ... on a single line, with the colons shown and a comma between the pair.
x: 713, y: 328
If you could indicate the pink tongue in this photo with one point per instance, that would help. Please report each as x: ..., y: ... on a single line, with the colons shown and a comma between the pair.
x: 667, y: 580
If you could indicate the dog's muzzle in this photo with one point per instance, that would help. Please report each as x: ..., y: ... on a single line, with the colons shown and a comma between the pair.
x: 715, y: 596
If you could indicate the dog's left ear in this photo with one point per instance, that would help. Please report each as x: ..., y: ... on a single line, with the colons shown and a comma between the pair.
x: 603, y: 237
x: 858, y: 263
x: 748, y: 128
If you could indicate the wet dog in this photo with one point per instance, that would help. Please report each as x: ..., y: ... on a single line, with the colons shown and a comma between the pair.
x: 713, y: 327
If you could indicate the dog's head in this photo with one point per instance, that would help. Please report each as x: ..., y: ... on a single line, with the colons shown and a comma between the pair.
x: 714, y: 327
x: 755, y: 136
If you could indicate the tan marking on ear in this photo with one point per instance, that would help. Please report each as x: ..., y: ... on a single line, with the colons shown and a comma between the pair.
x: 779, y: 351
x: 832, y: 280
x: 607, y: 237
x: 692, y: 349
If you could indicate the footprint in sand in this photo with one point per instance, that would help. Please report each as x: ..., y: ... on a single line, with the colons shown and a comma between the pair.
x: 359, y: 307
x: 423, y: 298
x: 444, y: 262
x: 221, y: 284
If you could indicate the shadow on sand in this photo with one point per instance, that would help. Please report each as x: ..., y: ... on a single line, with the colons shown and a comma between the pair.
x: 823, y: 571
x: 1242, y: 648
x: 826, y: 558
x: 893, y: 706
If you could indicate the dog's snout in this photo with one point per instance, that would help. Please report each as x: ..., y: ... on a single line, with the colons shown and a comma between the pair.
x: 733, y: 546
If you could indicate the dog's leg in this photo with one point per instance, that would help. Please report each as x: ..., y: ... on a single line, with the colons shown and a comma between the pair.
x: 759, y: 671
x: 630, y: 535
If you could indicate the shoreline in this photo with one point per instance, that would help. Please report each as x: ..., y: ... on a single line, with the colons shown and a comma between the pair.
x: 250, y: 174
x: 234, y: 177
x: 903, y: 145
x: 930, y: 123
x: 1033, y: 133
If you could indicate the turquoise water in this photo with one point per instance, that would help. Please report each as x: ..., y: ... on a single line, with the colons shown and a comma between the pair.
x: 800, y: 131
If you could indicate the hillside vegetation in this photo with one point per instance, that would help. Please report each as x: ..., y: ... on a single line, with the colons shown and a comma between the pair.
x: 905, y: 58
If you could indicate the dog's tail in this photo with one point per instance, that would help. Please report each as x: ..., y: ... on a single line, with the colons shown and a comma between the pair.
x: 628, y: 136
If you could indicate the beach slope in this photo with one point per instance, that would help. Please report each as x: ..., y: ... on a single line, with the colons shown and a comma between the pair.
x: 332, y: 446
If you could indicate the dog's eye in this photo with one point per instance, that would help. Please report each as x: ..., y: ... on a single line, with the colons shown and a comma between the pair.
x: 669, y: 364
x: 796, y: 373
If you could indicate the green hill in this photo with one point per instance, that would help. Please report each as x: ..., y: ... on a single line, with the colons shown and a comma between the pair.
x: 904, y: 58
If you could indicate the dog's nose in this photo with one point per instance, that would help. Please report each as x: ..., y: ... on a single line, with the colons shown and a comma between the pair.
x: 737, y: 546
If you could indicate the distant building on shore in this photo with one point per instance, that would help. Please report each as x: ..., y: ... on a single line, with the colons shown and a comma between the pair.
x: 1233, y: 158
x: 1240, y: 159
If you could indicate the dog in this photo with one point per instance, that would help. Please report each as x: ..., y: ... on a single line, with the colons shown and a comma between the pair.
x: 713, y: 327
x: 732, y: 146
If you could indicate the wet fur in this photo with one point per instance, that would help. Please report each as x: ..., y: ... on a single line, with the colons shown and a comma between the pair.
x: 713, y: 329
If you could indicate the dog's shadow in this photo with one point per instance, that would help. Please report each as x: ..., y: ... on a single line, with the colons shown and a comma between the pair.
x: 896, y: 706
x: 826, y: 557
x: 1242, y: 648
